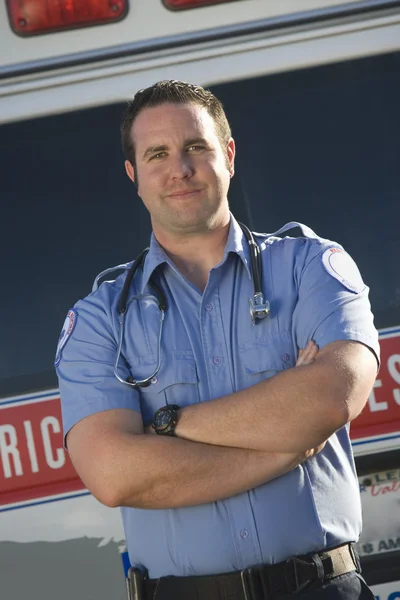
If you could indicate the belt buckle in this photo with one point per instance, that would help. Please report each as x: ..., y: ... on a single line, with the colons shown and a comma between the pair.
x: 355, y: 558
x: 251, y: 583
x: 295, y: 561
x: 246, y: 591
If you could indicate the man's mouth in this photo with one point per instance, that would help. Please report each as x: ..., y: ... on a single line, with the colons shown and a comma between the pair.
x: 184, y: 193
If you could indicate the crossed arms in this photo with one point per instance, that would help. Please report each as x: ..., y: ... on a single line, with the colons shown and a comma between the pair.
x: 228, y: 445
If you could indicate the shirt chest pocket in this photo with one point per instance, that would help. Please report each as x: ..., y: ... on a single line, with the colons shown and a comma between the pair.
x: 265, y: 357
x: 175, y: 383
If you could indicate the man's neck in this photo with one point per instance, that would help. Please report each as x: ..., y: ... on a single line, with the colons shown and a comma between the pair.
x: 196, y: 255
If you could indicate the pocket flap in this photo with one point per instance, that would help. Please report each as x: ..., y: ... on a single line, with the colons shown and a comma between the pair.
x: 268, y: 354
x: 172, y: 371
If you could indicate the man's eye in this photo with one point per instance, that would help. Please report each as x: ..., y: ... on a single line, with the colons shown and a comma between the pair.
x: 158, y: 155
x: 195, y: 148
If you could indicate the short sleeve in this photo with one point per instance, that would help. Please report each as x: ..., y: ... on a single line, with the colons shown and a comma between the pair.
x: 85, y: 358
x: 332, y: 300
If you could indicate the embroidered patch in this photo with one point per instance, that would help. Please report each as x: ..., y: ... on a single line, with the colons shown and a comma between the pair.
x: 68, y: 327
x: 343, y: 268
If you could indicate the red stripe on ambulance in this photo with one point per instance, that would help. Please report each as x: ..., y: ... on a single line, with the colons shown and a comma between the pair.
x: 381, y: 414
x: 33, y: 462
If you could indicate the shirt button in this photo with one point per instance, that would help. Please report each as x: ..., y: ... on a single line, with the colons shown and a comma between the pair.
x: 209, y: 307
x: 154, y: 380
x: 217, y: 360
x: 285, y: 357
x: 244, y: 534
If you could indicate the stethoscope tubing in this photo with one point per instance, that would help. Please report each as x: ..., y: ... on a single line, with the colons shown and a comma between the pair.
x: 256, y: 273
x: 138, y: 382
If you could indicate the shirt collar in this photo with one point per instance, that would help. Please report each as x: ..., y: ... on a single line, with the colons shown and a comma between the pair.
x: 236, y: 244
x: 156, y: 256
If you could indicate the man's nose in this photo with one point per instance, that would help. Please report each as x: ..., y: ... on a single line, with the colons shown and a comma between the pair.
x: 181, y: 167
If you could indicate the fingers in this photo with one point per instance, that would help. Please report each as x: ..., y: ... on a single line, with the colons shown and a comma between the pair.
x: 320, y: 447
x: 311, y: 452
x: 307, y: 355
x: 314, y: 451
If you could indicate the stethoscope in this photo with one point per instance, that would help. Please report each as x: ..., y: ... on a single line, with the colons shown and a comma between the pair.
x: 259, y: 307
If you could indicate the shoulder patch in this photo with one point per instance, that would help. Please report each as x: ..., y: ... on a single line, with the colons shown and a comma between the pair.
x: 342, y: 267
x: 68, y: 327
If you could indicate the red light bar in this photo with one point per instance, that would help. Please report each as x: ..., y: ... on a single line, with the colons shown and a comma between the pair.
x: 183, y: 4
x: 31, y: 17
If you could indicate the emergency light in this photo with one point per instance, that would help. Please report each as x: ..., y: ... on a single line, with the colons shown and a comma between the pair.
x: 31, y: 17
x: 183, y: 4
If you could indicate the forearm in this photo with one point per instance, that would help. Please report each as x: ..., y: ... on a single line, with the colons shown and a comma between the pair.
x: 161, y: 472
x: 262, y: 417
x: 291, y: 412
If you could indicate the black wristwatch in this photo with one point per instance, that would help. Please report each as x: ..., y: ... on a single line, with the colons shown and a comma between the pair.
x: 165, y: 420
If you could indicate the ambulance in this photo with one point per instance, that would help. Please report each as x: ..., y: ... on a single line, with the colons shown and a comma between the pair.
x: 312, y: 92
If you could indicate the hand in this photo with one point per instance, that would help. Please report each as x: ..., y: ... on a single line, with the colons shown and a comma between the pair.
x: 307, y: 355
x: 294, y: 460
x: 313, y: 451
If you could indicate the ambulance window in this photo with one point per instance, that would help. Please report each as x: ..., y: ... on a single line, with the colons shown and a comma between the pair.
x: 69, y: 211
x: 322, y: 146
x: 317, y: 145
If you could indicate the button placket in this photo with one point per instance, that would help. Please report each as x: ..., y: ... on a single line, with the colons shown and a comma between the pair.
x: 220, y: 380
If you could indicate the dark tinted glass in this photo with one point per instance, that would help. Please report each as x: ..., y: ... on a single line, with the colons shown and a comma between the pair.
x: 319, y: 146
x: 322, y: 146
x: 69, y: 211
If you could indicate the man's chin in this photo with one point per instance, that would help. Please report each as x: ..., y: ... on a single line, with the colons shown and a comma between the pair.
x: 191, y: 218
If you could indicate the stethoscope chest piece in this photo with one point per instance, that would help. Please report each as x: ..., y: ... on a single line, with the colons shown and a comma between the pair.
x: 258, y: 308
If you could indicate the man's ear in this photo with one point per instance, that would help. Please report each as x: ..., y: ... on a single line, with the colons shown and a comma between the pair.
x: 130, y: 171
x: 230, y: 153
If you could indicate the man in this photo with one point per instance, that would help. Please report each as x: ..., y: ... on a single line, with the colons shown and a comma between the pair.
x: 226, y: 461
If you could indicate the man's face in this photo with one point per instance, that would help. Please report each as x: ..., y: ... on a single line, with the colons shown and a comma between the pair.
x: 182, y: 171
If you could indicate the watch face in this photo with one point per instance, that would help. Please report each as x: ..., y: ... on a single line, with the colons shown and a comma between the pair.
x: 163, y: 418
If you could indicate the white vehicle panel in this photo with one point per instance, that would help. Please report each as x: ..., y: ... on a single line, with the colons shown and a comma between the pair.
x: 205, y: 64
x: 55, y: 549
x: 387, y: 591
x: 148, y: 20
x: 53, y: 520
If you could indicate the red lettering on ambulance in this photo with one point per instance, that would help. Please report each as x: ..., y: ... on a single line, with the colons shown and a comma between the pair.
x: 9, y: 453
x: 377, y: 490
x: 381, y: 414
x: 33, y: 462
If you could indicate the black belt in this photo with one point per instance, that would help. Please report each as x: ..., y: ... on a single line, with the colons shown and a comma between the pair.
x: 260, y: 581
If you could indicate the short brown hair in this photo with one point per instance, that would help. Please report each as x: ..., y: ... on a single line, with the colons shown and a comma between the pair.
x: 175, y: 92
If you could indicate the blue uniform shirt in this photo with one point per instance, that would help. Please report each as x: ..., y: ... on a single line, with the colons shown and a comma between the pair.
x: 210, y: 349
